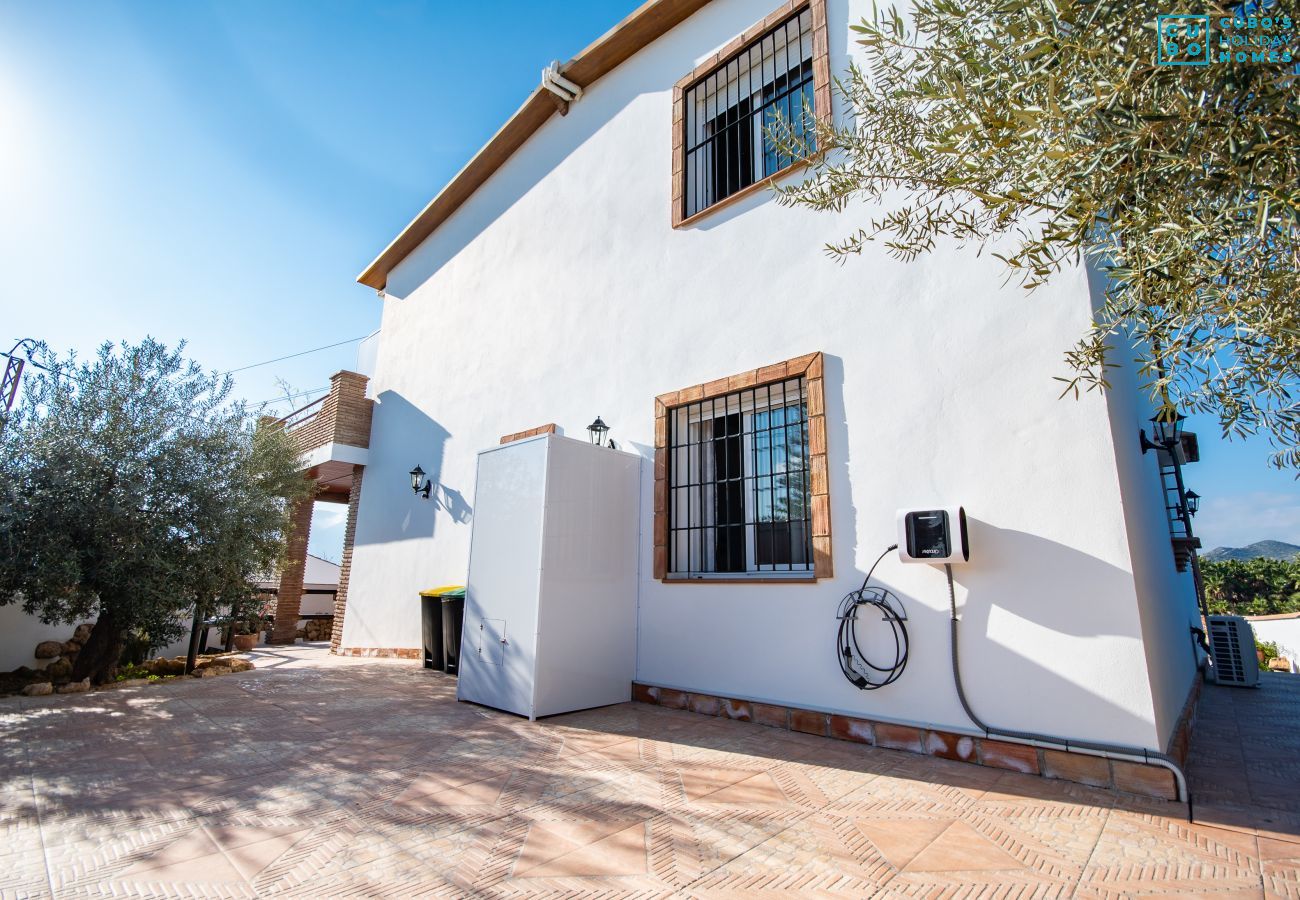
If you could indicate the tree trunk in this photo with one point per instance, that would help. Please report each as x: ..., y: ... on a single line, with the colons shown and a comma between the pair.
x: 98, y: 658
x: 200, y: 613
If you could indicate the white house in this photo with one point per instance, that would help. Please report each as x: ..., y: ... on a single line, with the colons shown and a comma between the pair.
x: 614, y: 251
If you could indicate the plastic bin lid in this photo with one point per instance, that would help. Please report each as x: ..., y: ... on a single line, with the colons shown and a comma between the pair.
x: 454, y: 593
x: 447, y: 590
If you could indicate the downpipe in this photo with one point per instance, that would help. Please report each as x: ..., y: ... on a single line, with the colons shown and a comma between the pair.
x: 1049, y: 742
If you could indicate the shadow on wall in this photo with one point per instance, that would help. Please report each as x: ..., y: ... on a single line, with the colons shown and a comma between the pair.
x: 402, y: 437
x: 844, y: 514
x: 453, y: 502
x: 546, y: 150
x: 651, y: 72
x: 1062, y: 589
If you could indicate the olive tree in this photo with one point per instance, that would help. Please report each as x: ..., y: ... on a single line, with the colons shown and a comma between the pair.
x: 133, y: 491
x: 1047, y: 132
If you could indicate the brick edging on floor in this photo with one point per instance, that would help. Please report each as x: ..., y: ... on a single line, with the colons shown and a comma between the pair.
x: 1130, y: 777
x: 380, y: 652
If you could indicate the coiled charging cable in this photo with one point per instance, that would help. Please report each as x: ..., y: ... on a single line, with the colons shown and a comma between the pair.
x: 862, y: 672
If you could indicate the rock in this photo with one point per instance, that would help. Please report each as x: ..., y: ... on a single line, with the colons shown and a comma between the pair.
x: 166, y: 666
x: 49, y: 650
x: 82, y: 634
x: 71, y: 648
x: 23, y: 671
x: 1279, y: 664
x: 39, y: 689
x: 211, y: 671
x: 75, y: 687
x: 133, y: 682
x: 238, y: 665
x: 60, y: 668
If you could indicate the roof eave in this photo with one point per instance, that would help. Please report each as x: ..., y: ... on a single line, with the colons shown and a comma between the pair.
x: 643, y: 26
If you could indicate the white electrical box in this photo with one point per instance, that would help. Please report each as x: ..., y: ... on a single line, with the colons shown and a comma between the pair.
x: 550, y: 605
x: 936, y: 535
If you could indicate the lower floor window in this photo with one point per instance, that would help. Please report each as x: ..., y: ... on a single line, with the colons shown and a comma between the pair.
x: 738, y: 476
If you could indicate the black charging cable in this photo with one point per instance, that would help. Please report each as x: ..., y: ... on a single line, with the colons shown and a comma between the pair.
x: 861, y: 672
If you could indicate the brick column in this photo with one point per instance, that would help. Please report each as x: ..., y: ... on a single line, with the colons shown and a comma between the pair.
x: 289, y: 601
x: 345, y: 569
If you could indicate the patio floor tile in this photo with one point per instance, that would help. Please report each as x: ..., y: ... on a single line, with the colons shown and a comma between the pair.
x: 316, y: 776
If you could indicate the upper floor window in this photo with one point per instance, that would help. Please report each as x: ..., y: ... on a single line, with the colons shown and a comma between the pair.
x: 728, y: 112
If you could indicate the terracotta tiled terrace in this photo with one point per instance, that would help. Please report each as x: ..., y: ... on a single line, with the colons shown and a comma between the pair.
x: 321, y: 777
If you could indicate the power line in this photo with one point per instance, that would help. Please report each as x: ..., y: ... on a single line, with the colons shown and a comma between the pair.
x: 68, y: 375
x: 60, y: 372
x: 295, y: 355
x: 290, y: 396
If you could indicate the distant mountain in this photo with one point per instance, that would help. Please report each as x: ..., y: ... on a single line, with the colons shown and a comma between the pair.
x: 1257, y: 550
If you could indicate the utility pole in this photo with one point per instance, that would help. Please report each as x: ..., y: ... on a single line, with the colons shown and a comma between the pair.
x: 14, y: 373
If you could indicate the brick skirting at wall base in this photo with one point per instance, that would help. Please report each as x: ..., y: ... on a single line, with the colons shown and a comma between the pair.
x: 381, y: 652
x: 1182, y: 736
x: 1134, y: 778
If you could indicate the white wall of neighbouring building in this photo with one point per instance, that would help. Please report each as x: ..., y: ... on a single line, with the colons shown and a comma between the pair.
x: 559, y: 291
x: 19, y: 635
x: 1281, y: 630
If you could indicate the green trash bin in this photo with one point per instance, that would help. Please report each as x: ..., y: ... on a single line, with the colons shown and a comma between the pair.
x: 431, y: 628
x: 453, y: 614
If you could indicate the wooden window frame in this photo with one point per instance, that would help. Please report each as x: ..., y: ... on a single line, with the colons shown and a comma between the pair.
x: 821, y: 102
x: 809, y: 367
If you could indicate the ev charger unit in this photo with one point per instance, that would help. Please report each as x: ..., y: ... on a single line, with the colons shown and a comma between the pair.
x: 933, y: 535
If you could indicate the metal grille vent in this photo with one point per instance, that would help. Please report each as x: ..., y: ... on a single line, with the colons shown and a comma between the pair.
x: 1232, y: 647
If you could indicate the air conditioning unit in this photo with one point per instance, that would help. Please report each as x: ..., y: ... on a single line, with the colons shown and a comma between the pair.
x: 1232, y: 649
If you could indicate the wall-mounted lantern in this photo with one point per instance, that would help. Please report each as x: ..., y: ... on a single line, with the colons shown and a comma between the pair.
x: 598, y: 429
x: 1193, y: 502
x: 417, y: 476
x: 1167, y: 431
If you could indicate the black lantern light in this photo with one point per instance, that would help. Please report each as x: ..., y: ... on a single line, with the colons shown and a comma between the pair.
x: 417, y: 476
x: 1193, y: 502
x: 1166, y: 432
x: 598, y: 429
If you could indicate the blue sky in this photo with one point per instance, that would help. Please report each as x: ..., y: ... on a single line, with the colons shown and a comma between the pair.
x: 220, y: 173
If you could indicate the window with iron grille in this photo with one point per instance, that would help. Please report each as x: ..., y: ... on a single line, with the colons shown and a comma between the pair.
x: 731, y: 114
x: 738, y: 476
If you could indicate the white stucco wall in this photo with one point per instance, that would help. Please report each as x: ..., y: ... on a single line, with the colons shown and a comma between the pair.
x: 19, y: 635
x: 559, y: 292
x: 1285, y: 632
x: 1166, y: 598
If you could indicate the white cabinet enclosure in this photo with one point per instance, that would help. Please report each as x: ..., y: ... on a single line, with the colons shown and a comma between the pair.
x: 550, y: 611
